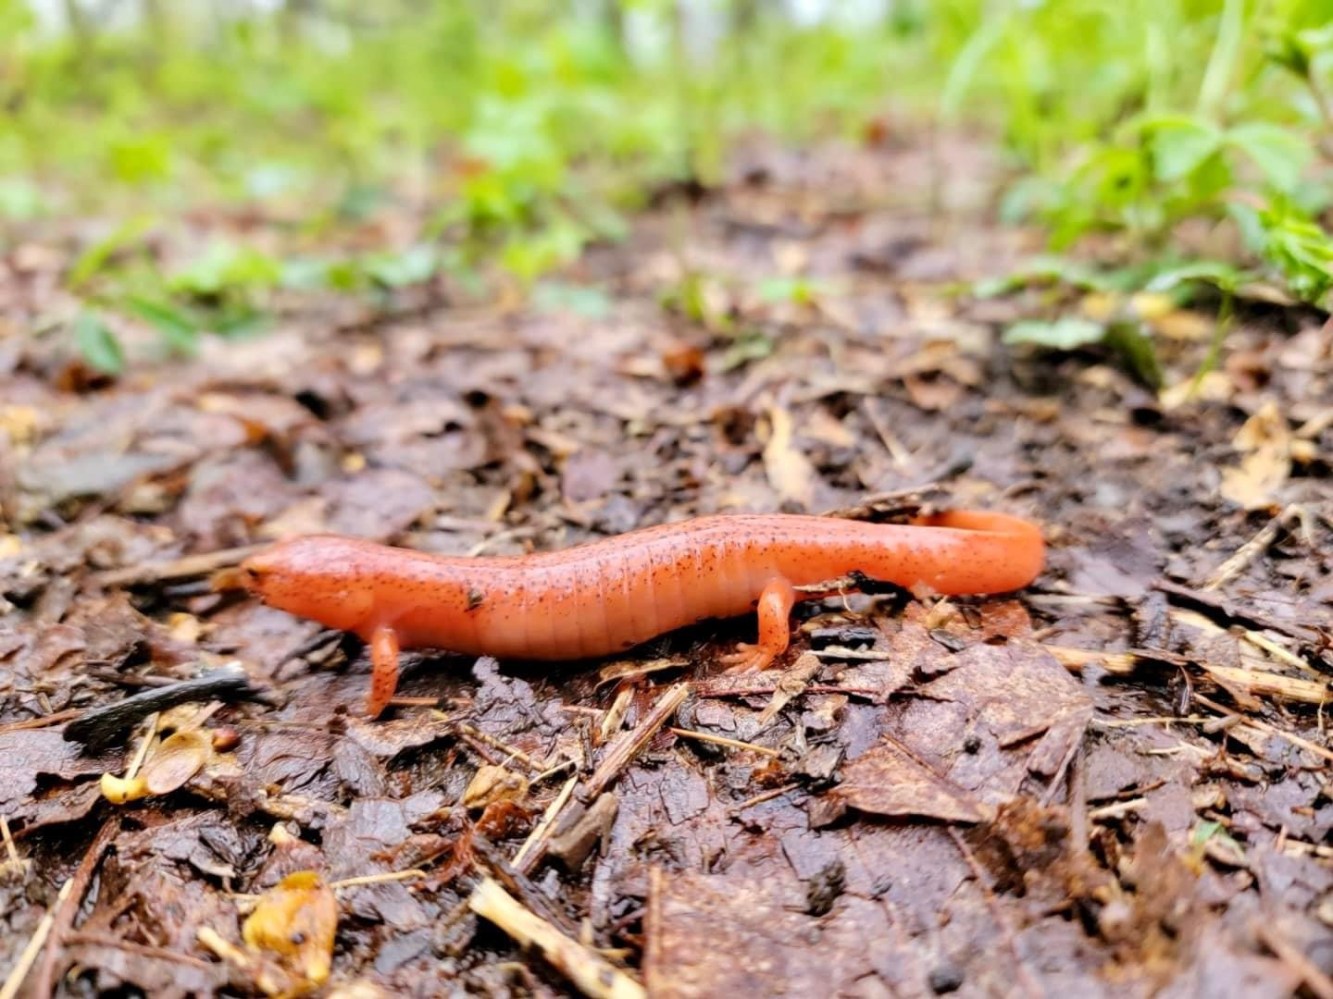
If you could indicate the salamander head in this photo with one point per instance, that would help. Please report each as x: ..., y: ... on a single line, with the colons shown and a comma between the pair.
x: 322, y: 577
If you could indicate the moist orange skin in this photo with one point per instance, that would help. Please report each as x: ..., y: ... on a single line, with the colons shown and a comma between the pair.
x: 610, y: 595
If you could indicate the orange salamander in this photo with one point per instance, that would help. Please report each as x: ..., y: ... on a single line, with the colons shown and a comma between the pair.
x: 610, y: 595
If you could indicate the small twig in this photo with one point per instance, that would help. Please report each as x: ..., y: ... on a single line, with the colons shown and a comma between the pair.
x: 28, y: 958
x: 512, y: 534
x: 10, y: 848
x: 141, y: 751
x: 1117, y: 810
x: 1074, y: 746
x: 907, y: 500
x: 628, y: 744
x: 769, y: 795
x: 900, y: 455
x: 374, y: 879
x: 837, y: 652
x: 181, y: 568
x: 587, y: 970
x: 1300, y: 848
x: 1074, y: 659
x: 530, y: 852
x: 474, y: 734
x: 138, y: 949
x: 1315, y: 979
x: 1264, y: 726
x: 1154, y: 720
x: 1247, y: 552
x: 1278, y: 652
x: 1256, y: 681
x: 41, y: 721
x: 1215, y: 605
x: 721, y: 740
x: 68, y: 906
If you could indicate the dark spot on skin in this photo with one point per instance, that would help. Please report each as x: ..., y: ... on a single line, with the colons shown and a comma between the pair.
x: 474, y: 599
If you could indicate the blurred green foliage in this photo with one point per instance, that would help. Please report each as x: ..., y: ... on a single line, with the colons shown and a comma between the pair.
x: 513, y: 132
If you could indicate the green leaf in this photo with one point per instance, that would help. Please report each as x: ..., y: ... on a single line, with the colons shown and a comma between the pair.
x: 98, y: 345
x: 1132, y: 343
x: 226, y: 266
x: 1066, y: 333
x: 1300, y: 249
x: 1280, y: 153
x: 558, y: 296
x: 1180, y: 146
x: 141, y: 158
x: 398, y: 270
x: 20, y: 199
x: 1222, y: 276
x: 753, y: 345
x: 1203, y: 832
x: 179, y: 330
x: 95, y: 259
x: 796, y: 291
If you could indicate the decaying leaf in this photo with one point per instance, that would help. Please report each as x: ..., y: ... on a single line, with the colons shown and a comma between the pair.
x: 169, y: 765
x: 296, y: 922
x: 789, y: 471
x: 494, y: 783
x: 1265, y: 442
x: 888, y: 781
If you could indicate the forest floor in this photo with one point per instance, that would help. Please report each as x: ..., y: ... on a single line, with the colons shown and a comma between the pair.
x: 1113, y: 782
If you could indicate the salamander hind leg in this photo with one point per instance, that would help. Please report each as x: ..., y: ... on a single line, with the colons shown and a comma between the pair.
x: 775, y: 604
x: 383, y: 669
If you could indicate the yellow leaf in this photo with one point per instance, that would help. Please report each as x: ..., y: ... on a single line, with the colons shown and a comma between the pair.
x: 297, y: 921
x: 788, y: 470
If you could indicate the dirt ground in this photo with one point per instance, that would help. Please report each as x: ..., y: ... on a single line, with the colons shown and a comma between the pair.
x: 1112, y: 783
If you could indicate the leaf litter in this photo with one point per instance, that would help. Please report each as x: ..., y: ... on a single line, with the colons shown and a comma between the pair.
x: 1115, y: 782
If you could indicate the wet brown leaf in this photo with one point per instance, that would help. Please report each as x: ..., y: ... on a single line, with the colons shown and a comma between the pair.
x: 888, y: 781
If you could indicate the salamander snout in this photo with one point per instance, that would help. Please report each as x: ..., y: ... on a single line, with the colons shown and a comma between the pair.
x: 318, y: 577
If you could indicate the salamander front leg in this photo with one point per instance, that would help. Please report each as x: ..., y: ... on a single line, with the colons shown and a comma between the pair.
x: 383, y: 669
x: 775, y: 605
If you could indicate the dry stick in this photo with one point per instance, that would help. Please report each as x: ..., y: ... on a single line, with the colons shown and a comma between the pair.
x: 411, y: 874
x: 535, y: 845
x: 1256, y: 681
x: 181, y: 568
x: 1245, y: 554
x: 10, y: 848
x: 721, y: 740
x: 42, y: 721
x: 1315, y: 979
x: 1264, y: 726
x: 589, y: 972
x: 1118, y: 810
x: 628, y: 744
x: 1153, y: 720
x: 68, y: 905
x: 1249, y: 551
x: 138, y: 949
x: 1217, y: 606
x: 900, y: 455
x: 34, y: 946
x: 762, y: 796
x: 476, y: 734
x: 1277, y: 652
x: 1074, y: 746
